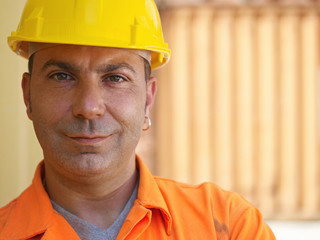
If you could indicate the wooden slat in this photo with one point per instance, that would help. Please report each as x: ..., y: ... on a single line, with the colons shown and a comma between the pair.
x: 289, y: 99
x: 200, y: 93
x: 267, y: 107
x: 222, y: 91
x: 244, y: 79
x: 179, y: 95
x: 310, y: 119
x: 162, y: 111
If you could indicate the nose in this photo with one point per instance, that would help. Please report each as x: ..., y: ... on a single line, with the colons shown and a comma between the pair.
x: 88, y: 101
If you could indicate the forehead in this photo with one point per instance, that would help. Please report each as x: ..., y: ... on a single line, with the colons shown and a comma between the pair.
x: 88, y: 57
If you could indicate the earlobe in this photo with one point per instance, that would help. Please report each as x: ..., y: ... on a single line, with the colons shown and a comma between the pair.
x: 151, y: 93
x: 25, y: 84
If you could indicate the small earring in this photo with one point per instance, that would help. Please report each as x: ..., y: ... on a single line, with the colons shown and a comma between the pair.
x: 149, y: 123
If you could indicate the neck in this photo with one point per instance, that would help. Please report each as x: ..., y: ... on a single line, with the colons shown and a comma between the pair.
x: 99, y: 202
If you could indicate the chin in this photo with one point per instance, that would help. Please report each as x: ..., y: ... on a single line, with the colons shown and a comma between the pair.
x: 87, y: 164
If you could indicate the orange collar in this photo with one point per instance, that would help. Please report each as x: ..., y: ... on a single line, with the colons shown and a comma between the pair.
x: 32, y: 213
x: 149, y: 195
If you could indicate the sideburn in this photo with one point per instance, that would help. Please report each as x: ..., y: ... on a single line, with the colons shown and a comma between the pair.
x: 30, y: 68
x: 147, y: 74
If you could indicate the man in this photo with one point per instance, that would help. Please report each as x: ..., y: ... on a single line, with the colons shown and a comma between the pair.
x: 89, y: 94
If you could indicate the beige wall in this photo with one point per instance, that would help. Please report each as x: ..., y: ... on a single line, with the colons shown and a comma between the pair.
x: 237, y: 104
x: 18, y: 147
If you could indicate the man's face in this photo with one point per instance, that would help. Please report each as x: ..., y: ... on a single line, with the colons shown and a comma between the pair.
x: 88, y: 106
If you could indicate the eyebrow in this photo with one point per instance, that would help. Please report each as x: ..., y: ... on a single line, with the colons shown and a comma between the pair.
x: 60, y: 64
x: 113, y: 67
x: 105, y: 68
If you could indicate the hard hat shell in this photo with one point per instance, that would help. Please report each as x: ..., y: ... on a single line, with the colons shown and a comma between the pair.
x: 133, y: 24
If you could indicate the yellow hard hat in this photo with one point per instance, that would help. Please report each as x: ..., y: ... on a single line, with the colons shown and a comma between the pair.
x: 133, y: 24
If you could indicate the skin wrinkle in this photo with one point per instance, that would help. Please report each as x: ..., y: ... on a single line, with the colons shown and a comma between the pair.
x: 147, y: 67
x: 147, y: 70
x: 101, y: 69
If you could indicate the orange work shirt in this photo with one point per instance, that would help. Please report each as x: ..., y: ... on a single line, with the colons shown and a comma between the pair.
x: 164, y: 209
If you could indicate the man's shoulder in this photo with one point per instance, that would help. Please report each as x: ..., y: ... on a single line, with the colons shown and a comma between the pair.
x: 205, y: 187
x: 5, y: 212
x: 206, y: 192
x: 15, y: 210
x: 229, y: 214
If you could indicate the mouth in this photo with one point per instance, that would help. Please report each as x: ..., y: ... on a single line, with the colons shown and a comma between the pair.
x: 88, y: 140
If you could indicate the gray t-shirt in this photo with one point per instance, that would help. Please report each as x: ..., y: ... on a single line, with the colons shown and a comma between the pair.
x: 88, y: 231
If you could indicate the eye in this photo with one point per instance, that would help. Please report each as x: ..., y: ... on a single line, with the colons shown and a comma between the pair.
x: 115, y: 78
x: 61, y: 76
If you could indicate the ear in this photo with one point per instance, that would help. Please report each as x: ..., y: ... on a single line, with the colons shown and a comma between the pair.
x: 25, y: 84
x: 151, y: 93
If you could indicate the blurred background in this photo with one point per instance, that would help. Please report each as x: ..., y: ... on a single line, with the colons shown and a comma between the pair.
x: 238, y: 104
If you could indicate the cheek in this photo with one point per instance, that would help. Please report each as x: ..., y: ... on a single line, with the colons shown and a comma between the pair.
x: 129, y: 105
x: 48, y: 107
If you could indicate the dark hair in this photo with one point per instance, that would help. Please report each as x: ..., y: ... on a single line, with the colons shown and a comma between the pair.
x: 147, y: 67
x: 30, y: 64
